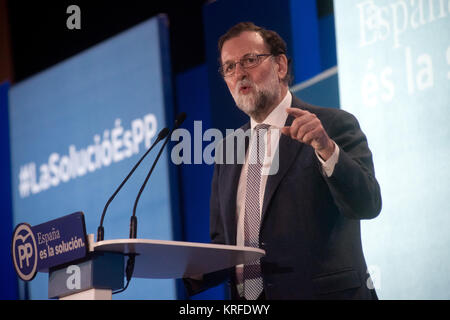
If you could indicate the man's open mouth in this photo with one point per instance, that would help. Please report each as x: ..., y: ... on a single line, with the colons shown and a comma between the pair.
x: 244, y: 89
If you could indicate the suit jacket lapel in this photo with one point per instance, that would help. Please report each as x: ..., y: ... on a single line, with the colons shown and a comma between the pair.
x: 288, y: 149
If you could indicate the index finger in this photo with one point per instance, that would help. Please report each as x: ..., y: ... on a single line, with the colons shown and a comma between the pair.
x: 296, y: 112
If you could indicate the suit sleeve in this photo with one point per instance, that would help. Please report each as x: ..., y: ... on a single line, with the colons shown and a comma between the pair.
x: 353, y: 184
x: 217, y: 236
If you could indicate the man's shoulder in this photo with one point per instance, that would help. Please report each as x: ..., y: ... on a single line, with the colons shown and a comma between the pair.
x: 327, y: 114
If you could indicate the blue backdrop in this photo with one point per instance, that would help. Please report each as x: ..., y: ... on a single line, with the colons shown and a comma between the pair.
x: 7, y: 274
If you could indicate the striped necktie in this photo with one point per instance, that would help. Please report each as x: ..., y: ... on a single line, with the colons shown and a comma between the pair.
x: 253, y: 283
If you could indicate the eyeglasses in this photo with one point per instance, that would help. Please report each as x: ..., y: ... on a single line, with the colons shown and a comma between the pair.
x: 249, y: 61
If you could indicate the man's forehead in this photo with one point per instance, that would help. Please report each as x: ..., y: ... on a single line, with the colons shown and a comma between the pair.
x: 245, y: 43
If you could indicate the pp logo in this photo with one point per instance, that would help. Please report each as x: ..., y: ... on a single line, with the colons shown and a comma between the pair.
x: 24, y: 252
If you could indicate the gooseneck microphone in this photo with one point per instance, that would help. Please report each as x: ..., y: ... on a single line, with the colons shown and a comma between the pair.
x: 133, y: 221
x: 100, y: 230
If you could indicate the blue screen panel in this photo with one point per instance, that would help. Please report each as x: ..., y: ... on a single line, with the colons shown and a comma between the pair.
x: 79, y: 127
x: 394, y: 72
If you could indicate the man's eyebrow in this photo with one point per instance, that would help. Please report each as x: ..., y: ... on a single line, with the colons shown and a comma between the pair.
x: 244, y: 56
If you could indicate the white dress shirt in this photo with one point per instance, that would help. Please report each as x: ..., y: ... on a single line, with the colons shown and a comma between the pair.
x: 276, y: 119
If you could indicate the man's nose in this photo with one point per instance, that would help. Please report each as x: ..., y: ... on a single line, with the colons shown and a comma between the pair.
x: 240, y: 71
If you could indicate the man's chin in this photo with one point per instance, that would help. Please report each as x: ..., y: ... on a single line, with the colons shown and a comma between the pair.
x: 245, y: 105
x: 247, y: 109
x: 250, y: 104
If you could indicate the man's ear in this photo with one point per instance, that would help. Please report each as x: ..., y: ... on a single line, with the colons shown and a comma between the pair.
x: 282, y: 66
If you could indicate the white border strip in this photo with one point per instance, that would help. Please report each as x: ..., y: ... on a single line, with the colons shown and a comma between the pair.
x: 321, y: 76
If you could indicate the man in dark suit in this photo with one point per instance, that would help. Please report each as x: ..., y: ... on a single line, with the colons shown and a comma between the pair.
x: 306, y: 213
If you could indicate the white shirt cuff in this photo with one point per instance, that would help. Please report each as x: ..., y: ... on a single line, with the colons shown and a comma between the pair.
x: 328, y: 166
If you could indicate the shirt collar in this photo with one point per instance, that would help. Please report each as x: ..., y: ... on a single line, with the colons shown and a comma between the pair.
x: 277, y: 118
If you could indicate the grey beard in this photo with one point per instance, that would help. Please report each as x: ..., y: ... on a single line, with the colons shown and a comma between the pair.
x: 257, y: 106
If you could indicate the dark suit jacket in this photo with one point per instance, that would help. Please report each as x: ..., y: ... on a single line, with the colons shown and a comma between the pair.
x: 310, y: 224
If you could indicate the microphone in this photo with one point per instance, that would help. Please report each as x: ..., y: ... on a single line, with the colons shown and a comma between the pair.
x: 133, y: 221
x: 100, y: 230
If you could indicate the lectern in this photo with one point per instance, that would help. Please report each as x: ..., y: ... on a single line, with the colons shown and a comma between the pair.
x: 102, y: 271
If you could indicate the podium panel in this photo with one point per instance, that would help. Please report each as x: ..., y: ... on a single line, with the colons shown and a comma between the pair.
x: 161, y: 259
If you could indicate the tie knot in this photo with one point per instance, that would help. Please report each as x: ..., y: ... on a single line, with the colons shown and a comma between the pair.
x: 262, y: 126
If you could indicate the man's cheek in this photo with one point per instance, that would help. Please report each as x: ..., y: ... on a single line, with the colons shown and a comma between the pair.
x: 230, y: 86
